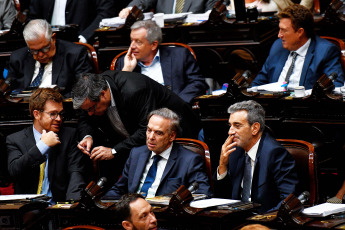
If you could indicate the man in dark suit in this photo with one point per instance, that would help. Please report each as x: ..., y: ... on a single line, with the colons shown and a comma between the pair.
x: 87, y: 14
x: 168, y: 6
x: 117, y: 104
x: 253, y: 165
x: 176, y: 165
x: 173, y: 67
x: 44, y: 158
x: 55, y: 62
x: 314, y: 56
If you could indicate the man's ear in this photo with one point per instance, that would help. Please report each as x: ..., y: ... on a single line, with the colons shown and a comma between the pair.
x: 154, y: 45
x: 127, y: 225
x: 36, y: 114
x: 172, y: 136
x: 255, y: 128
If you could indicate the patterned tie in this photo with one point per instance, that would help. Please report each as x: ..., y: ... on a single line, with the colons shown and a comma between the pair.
x: 289, y: 72
x: 151, y: 175
x: 115, y: 121
x: 40, y: 180
x: 37, y: 81
x: 179, y: 6
x: 247, y: 179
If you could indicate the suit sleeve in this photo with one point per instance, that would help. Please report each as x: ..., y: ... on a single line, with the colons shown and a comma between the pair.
x: 262, y: 78
x: 146, y: 5
x: 9, y: 14
x: 82, y: 62
x: 196, y: 84
x: 209, y: 4
x: 332, y: 65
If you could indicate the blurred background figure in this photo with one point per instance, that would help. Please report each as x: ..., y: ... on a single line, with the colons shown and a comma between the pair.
x: 7, y: 14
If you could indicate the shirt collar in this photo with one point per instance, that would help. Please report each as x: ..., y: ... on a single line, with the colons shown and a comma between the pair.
x: 111, y: 95
x: 37, y: 134
x: 155, y: 60
x: 302, y: 51
x: 254, y: 150
x: 165, y: 154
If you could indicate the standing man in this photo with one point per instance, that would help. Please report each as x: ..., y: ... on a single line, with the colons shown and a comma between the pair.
x: 299, y: 57
x: 253, y: 165
x: 44, y: 158
x: 116, y: 105
x: 46, y: 61
x: 135, y: 213
x: 161, y: 166
x: 173, y: 67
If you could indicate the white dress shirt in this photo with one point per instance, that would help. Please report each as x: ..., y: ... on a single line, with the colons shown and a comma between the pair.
x: 47, y: 75
x: 153, y: 71
x: 58, y: 17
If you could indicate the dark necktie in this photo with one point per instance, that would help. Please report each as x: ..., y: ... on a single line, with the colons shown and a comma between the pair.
x: 247, y: 179
x: 151, y: 175
x: 179, y: 6
x: 37, y: 81
x: 289, y: 72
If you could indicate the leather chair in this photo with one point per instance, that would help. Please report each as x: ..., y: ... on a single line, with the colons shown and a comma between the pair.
x: 340, y: 43
x: 92, y: 55
x: 113, y: 63
x: 17, y: 5
x: 77, y: 227
x: 202, y: 149
x: 303, y: 153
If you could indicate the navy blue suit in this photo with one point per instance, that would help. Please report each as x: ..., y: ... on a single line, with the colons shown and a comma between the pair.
x: 274, y: 177
x: 183, y: 168
x: 322, y: 57
x: 181, y: 72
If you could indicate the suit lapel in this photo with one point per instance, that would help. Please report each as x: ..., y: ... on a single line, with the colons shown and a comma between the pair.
x: 57, y: 62
x: 29, y: 66
x: 308, y: 58
x: 166, y: 65
x: 140, y: 167
x: 186, y: 5
x: 30, y: 140
x: 280, y: 65
x: 171, y: 162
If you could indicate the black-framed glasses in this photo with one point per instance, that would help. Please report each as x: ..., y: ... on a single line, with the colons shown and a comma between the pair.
x: 92, y: 108
x: 43, y: 50
x: 54, y: 115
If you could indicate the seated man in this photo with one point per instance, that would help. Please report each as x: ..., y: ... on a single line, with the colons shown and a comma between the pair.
x: 161, y: 166
x: 87, y: 14
x: 135, y: 212
x: 173, y: 67
x: 170, y: 6
x: 253, y: 165
x: 44, y: 158
x: 300, y: 58
x: 48, y: 62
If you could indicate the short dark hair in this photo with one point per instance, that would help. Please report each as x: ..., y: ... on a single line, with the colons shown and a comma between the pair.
x: 40, y: 96
x: 301, y: 17
x: 89, y: 85
x: 256, y: 112
x: 123, y: 208
x: 167, y: 114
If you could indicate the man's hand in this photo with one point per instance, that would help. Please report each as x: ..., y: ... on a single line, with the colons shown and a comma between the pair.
x: 85, y: 145
x: 101, y: 153
x: 124, y: 13
x: 130, y: 61
x: 227, y: 148
x: 51, y: 139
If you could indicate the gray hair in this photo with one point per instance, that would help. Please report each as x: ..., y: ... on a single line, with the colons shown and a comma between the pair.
x: 154, y: 32
x: 167, y: 114
x: 89, y: 86
x: 256, y: 112
x: 36, y: 28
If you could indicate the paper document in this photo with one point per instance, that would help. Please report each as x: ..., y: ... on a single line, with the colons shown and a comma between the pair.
x: 324, y: 209
x: 211, y: 202
x: 20, y: 197
x: 272, y: 87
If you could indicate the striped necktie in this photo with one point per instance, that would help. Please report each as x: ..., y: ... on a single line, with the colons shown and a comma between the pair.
x: 179, y: 6
x: 289, y: 72
x: 37, y: 81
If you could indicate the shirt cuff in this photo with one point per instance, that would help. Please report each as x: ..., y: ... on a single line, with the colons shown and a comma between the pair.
x: 113, y: 151
x: 87, y: 137
x: 82, y: 39
x: 42, y: 147
x: 220, y: 177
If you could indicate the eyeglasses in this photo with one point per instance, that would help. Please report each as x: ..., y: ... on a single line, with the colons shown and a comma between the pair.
x: 43, y: 50
x: 92, y: 108
x: 54, y: 115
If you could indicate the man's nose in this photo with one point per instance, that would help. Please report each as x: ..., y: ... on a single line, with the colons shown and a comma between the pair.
x: 153, y: 218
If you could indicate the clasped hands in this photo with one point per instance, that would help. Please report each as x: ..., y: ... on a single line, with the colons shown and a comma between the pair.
x: 97, y: 153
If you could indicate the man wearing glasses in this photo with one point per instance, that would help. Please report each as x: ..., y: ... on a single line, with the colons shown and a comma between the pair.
x: 44, y: 158
x: 46, y: 61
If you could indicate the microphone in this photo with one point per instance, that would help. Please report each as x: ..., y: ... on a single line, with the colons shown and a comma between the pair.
x: 101, y: 182
x: 193, y: 187
x: 304, y: 197
x: 333, y: 76
x: 247, y: 74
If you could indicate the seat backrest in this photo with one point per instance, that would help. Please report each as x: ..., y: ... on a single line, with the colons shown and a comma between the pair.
x: 202, y: 149
x: 340, y: 43
x: 114, y: 62
x: 92, y: 55
x: 303, y: 153
x: 17, y: 5
x: 77, y: 227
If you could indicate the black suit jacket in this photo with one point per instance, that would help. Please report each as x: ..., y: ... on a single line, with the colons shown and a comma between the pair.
x: 65, y: 166
x: 136, y: 95
x: 166, y: 6
x: 180, y: 71
x: 69, y: 61
x: 86, y: 13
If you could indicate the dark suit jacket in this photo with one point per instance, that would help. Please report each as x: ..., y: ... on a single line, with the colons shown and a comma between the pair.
x: 65, y: 165
x: 274, y: 178
x: 87, y: 13
x: 69, y: 61
x: 322, y: 57
x: 136, y: 95
x: 183, y: 168
x: 180, y: 70
x: 166, y: 6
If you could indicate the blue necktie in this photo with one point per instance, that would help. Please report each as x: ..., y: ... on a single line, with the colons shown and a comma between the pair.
x: 247, y: 176
x: 151, y: 175
x: 37, y: 81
